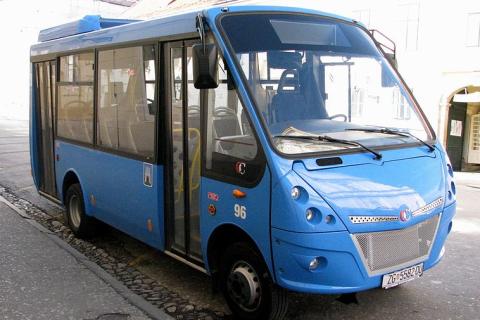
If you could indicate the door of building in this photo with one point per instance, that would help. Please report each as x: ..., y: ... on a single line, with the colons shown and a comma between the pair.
x: 474, y: 143
x: 455, y: 133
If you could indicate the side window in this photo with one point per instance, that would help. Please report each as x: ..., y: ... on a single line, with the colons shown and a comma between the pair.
x: 126, y: 106
x: 75, y: 97
x: 231, y: 147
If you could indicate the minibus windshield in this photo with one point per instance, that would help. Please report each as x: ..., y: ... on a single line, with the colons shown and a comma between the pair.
x: 310, y: 76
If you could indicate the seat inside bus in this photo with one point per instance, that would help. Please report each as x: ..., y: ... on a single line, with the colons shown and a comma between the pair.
x: 289, y: 103
x: 75, y: 114
x: 299, y: 89
x: 230, y: 130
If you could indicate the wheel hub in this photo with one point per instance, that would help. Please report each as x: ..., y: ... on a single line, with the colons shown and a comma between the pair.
x: 74, y: 208
x: 244, y: 287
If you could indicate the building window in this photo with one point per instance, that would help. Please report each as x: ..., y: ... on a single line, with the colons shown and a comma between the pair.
x: 126, y: 106
x: 410, y: 15
x: 358, y: 101
x: 402, y: 109
x: 473, y: 29
x: 75, y: 98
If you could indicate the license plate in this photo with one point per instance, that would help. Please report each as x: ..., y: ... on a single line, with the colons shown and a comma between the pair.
x: 395, y: 278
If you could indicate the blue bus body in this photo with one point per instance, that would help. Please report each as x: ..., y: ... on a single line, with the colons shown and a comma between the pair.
x: 407, y: 179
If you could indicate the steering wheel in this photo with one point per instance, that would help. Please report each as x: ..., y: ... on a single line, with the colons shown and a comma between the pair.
x: 345, y: 118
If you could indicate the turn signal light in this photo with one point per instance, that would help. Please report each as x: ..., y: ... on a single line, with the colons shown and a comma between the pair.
x: 239, y: 194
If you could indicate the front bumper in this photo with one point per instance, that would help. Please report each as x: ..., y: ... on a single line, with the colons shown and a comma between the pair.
x: 341, y: 269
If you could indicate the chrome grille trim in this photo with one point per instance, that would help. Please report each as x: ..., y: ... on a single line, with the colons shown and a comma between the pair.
x: 372, y: 219
x: 376, y: 219
x: 428, y: 207
x: 387, y: 251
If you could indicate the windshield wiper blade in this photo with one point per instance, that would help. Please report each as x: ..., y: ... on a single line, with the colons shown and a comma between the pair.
x: 378, y: 156
x: 394, y: 132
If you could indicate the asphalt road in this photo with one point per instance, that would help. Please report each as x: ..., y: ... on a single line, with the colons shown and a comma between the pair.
x: 449, y: 291
x: 40, y: 280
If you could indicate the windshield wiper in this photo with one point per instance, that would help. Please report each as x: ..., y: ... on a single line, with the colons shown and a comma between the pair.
x: 394, y: 132
x: 378, y: 156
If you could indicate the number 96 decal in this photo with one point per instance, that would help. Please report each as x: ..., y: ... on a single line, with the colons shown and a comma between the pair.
x: 240, y: 211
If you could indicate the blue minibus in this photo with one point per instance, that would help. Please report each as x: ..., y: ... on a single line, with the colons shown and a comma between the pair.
x: 276, y: 149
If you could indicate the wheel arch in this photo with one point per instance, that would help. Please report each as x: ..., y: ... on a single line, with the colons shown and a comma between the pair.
x: 223, y: 236
x: 70, y: 177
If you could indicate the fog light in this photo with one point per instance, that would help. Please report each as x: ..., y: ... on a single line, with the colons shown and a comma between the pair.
x: 314, y: 264
x: 330, y: 219
x: 295, y: 193
x: 310, y: 215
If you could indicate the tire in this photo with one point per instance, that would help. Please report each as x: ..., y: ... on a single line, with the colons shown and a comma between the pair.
x: 247, y: 286
x: 81, y: 225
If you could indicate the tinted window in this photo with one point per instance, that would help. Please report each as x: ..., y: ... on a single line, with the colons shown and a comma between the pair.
x: 77, y: 68
x: 311, y: 75
x: 75, y: 98
x: 75, y: 113
x: 126, y: 106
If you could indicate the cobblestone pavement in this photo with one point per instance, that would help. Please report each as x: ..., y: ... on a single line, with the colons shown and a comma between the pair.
x: 119, y: 264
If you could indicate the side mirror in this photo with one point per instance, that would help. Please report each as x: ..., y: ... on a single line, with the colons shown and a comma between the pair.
x: 392, y: 59
x: 205, y: 66
x: 388, y: 81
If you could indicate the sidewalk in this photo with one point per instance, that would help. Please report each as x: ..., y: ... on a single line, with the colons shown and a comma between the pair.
x: 467, y: 178
x: 41, y: 280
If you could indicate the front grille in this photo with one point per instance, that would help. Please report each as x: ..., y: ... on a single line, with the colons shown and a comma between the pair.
x: 390, y: 250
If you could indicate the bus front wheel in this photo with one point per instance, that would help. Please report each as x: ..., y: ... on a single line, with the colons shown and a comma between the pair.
x: 247, y: 286
x: 81, y: 225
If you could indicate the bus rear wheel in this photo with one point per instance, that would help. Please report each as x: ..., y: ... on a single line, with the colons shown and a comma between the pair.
x: 81, y: 225
x: 247, y: 286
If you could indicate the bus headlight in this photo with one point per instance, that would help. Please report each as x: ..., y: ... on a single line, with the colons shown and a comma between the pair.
x: 295, y: 193
x: 310, y: 215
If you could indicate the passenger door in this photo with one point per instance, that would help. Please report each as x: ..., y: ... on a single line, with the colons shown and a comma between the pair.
x: 45, y: 80
x: 184, y: 156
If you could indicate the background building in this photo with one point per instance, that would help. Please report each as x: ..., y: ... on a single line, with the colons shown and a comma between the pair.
x: 20, y: 22
x: 438, y: 47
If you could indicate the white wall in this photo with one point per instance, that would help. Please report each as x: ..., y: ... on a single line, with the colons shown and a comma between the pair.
x: 20, y: 22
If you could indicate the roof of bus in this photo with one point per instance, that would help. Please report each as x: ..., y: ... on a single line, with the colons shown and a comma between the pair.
x: 167, y: 27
